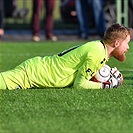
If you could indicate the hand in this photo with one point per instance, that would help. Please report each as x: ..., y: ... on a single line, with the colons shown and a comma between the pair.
x: 1, y: 32
x: 115, y: 80
x: 118, y: 75
x: 111, y: 83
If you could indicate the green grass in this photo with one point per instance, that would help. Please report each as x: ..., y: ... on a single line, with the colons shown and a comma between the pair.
x: 63, y: 110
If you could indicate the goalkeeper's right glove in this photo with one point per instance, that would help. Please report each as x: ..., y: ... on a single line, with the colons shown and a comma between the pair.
x: 111, y: 83
x: 115, y: 80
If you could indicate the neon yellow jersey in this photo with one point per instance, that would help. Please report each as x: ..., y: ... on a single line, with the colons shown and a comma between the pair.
x: 75, y: 66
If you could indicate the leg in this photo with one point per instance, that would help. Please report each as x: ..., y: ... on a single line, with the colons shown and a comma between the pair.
x: 15, y: 79
x: 49, y: 6
x: 2, y: 83
x: 79, y: 15
x: 37, y: 5
x: 83, y: 18
x: 99, y: 16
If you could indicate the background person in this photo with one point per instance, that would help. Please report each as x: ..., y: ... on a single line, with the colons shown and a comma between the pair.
x: 49, y: 8
x: 83, y: 7
x: 1, y: 18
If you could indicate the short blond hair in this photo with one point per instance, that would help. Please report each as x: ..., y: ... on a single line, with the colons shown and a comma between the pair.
x: 117, y: 31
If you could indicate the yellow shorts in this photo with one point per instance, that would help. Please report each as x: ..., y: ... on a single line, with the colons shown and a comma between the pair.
x: 2, y: 83
x: 16, y: 79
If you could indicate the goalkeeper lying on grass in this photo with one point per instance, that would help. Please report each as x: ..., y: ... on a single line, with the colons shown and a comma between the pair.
x: 73, y: 67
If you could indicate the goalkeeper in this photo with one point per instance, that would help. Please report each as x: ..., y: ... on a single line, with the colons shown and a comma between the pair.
x: 73, y: 67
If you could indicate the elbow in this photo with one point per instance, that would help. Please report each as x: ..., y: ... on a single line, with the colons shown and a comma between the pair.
x: 80, y: 86
x: 87, y: 85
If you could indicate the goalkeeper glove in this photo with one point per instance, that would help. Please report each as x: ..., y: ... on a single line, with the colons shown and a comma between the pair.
x: 115, y: 80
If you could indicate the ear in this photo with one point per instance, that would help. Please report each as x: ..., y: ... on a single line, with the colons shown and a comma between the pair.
x: 116, y: 43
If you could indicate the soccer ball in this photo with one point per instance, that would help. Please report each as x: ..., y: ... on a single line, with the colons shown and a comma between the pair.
x: 109, y: 75
x: 103, y: 74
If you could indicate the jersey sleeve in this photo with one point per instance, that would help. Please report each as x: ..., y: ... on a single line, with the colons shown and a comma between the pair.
x: 88, y: 69
x: 91, y: 65
x: 82, y: 83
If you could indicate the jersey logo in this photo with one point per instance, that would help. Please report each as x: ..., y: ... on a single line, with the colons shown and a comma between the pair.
x: 90, y: 72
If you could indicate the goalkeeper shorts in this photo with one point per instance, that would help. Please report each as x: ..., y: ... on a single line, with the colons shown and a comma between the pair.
x: 2, y: 83
x: 14, y: 79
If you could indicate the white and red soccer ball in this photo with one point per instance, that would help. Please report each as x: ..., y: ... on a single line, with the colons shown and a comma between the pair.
x: 105, y: 73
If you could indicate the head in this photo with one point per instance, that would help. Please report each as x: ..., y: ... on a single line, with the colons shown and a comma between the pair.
x: 118, y: 36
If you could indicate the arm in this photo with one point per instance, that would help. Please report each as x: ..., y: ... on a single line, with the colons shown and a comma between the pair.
x: 88, y: 69
x: 116, y: 79
x: 82, y: 83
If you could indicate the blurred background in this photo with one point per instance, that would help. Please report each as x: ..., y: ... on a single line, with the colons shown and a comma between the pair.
x: 18, y: 15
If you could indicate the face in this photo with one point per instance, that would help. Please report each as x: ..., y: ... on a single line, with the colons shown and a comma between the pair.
x: 120, y: 49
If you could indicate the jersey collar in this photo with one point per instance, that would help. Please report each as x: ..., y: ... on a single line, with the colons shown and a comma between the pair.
x: 106, y: 55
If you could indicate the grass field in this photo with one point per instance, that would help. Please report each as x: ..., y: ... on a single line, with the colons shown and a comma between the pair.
x: 64, y: 110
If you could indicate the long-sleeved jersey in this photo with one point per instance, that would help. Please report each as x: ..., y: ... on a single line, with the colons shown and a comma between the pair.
x: 74, y: 66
